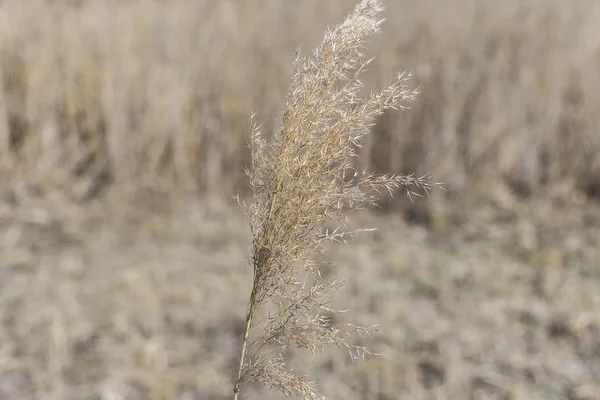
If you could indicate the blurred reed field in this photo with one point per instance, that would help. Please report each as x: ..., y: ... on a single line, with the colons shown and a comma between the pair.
x: 119, y: 97
x: 123, y: 106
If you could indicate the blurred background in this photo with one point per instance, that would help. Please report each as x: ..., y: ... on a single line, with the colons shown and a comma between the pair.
x: 123, y: 135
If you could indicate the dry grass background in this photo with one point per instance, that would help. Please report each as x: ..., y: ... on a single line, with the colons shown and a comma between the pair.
x: 153, y: 94
x: 113, y: 100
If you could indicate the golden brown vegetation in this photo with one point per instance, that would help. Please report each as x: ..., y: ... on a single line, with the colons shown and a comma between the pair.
x: 302, y: 180
x: 154, y: 94
x: 120, y: 96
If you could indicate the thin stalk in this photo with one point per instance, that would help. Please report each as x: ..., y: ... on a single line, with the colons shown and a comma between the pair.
x: 251, y: 307
x: 250, y: 312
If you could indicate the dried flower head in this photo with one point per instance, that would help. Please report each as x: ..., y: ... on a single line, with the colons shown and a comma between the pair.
x: 302, y: 179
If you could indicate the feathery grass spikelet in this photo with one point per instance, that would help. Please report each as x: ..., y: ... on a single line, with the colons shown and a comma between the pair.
x: 301, y: 180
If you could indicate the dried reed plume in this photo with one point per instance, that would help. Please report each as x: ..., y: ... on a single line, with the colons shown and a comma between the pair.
x: 302, y: 179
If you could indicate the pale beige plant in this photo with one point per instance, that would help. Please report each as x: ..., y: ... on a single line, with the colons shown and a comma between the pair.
x: 302, y: 180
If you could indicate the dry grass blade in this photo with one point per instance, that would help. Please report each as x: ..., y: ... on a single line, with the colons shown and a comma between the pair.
x: 303, y: 179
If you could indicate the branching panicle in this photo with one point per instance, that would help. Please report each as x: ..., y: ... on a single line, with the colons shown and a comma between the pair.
x: 303, y: 179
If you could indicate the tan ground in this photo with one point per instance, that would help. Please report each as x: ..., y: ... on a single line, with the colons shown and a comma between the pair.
x: 150, y: 306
